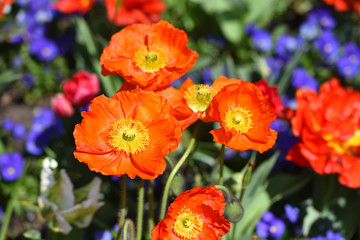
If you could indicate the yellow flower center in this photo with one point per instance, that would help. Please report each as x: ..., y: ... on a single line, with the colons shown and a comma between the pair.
x: 239, y: 119
x: 343, y: 147
x: 128, y: 135
x: 187, y: 224
x: 150, y: 58
x: 199, y: 96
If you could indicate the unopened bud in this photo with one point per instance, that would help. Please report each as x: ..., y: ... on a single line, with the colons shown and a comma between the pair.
x: 233, y: 211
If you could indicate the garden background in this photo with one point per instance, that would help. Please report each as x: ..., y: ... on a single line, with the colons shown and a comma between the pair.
x: 303, y: 186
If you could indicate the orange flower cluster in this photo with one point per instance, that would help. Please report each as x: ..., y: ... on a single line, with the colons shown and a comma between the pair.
x: 134, y: 11
x: 328, y: 125
x: 345, y: 5
x: 134, y: 130
x: 195, y: 214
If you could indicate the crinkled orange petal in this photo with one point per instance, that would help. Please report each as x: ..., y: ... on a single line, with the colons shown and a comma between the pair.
x: 240, y: 142
x: 117, y: 58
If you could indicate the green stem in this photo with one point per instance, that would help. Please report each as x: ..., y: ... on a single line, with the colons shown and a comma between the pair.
x: 224, y: 190
x: 222, y: 153
x: 122, y: 211
x: 168, y: 160
x: 151, y: 208
x: 242, y: 190
x: 140, y: 212
x: 6, y: 219
x: 175, y: 170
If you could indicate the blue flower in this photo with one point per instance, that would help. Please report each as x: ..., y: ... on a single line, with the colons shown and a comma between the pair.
x: 261, y: 38
x: 44, y: 49
x: 347, y: 67
x: 330, y: 235
x: 18, y: 131
x: 309, y: 30
x: 46, y: 127
x: 1, y: 212
x: 285, y: 46
x: 270, y: 226
x: 28, y: 80
x: 352, y: 51
x: 302, y: 79
x: 103, y: 235
x: 11, y: 166
x: 292, y: 213
x: 323, y: 18
x: 275, y: 65
x: 16, y: 62
x: 328, y: 45
x: 8, y: 124
x: 44, y: 15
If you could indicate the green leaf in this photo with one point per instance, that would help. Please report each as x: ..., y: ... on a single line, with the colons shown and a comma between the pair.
x: 284, y: 184
x: 259, y: 177
x: 32, y: 234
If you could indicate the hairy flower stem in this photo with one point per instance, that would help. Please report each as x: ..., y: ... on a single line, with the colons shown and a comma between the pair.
x: 222, y: 153
x: 7, y: 217
x: 122, y: 210
x: 140, y: 212
x: 175, y: 170
x: 151, y: 208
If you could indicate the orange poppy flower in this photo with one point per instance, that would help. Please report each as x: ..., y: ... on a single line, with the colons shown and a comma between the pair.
x: 191, y: 101
x: 149, y: 56
x: 134, y: 11
x: 328, y: 125
x: 195, y: 214
x: 245, y: 116
x: 73, y: 6
x: 129, y: 133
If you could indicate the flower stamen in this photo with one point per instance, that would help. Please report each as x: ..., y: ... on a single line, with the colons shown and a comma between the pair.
x: 239, y: 119
x: 187, y: 224
x: 150, y: 58
x: 198, y: 97
x: 128, y: 135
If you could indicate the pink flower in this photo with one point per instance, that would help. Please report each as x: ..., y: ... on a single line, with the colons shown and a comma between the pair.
x: 82, y: 88
x: 62, y: 106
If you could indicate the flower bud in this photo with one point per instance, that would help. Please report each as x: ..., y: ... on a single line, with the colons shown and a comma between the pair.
x: 61, y: 106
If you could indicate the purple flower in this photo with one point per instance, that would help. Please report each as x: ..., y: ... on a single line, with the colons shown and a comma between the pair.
x: 8, y: 124
x: 28, y: 80
x: 352, y: 51
x: 261, y: 39
x: 270, y: 226
x: 16, y: 62
x: 292, y: 213
x: 309, y: 30
x: 285, y: 46
x: 323, y: 18
x: 327, y: 45
x: 347, y: 67
x: 275, y: 65
x: 46, y: 127
x: 330, y: 235
x: 11, y: 166
x: 103, y: 235
x: 302, y: 79
x: 44, y: 49
x: 1, y: 212
x: 44, y: 15
x: 18, y: 131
